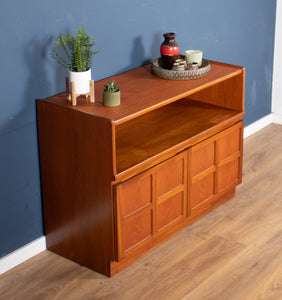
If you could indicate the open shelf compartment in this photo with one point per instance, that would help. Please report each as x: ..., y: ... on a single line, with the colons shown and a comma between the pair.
x: 146, y: 136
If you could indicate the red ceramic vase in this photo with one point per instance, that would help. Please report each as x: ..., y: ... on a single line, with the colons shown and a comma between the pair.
x: 169, y: 50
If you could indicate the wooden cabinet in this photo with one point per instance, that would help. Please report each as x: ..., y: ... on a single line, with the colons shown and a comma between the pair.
x: 117, y: 182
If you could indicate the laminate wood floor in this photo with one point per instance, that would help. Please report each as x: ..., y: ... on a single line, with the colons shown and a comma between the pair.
x: 235, y: 252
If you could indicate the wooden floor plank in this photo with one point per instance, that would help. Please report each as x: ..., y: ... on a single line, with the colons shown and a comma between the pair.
x: 235, y: 252
x: 241, y: 277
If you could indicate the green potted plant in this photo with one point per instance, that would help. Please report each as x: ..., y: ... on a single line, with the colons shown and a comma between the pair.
x: 75, y: 53
x: 111, y: 94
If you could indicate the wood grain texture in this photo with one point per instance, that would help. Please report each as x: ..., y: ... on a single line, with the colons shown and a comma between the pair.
x: 134, y: 194
x: 169, y: 210
x: 76, y: 184
x: 148, y: 205
x: 151, y: 92
x: 151, y: 108
x: 233, y: 253
x: 215, y: 168
x: 228, y: 93
x: 177, y: 125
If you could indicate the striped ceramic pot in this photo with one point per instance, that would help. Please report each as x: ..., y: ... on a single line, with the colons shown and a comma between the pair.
x: 169, y: 50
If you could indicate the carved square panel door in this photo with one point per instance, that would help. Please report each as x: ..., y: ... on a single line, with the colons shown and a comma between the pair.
x: 150, y: 204
x: 215, y: 166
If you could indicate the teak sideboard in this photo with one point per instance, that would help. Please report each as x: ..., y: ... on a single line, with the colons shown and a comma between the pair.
x: 117, y: 182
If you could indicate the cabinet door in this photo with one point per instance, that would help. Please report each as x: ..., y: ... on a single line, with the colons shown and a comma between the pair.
x: 202, y: 172
x: 134, y: 212
x: 149, y: 204
x: 215, y: 166
x: 170, y: 192
x: 229, y: 157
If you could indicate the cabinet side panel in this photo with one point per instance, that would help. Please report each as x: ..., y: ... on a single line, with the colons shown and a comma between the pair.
x: 76, y: 171
x: 228, y: 93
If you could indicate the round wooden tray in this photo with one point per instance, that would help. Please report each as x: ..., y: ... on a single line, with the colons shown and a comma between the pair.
x: 180, y: 75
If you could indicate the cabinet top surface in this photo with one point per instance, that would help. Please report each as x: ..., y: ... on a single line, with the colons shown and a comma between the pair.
x: 141, y: 92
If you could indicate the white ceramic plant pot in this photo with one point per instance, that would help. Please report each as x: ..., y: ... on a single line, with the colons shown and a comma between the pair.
x: 82, y: 81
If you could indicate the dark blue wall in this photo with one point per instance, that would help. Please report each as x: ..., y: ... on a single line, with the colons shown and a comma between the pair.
x: 130, y: 32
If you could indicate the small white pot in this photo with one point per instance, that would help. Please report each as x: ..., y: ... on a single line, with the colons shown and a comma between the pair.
x: 82, y: 81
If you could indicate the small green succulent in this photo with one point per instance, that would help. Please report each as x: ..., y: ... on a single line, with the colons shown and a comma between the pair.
x: 110, y: 87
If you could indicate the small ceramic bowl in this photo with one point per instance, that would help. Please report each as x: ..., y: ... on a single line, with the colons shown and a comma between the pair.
x: 194, y: 56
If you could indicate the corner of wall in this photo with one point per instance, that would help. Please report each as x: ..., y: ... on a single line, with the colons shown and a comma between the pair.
x: 277, y: 63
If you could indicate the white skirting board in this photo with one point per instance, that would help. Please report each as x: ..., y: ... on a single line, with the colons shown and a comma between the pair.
x: 277, y: 118
x: 24, y: 253
x: 261, y: 123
